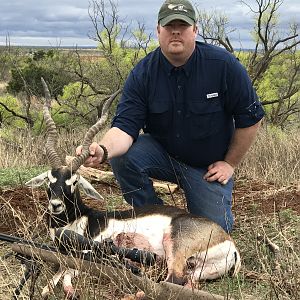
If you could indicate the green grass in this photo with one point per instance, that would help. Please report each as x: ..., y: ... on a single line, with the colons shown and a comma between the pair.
x: 11, y: 177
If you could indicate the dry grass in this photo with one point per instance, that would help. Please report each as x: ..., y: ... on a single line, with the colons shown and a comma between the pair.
x: 264, y: 274
x: 274, y: 157
x: 20, y: 148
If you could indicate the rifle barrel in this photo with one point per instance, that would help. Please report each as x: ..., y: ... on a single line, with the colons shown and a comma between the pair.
x: 9, y: 238
x: 67, y: 241
x: 14, y: 239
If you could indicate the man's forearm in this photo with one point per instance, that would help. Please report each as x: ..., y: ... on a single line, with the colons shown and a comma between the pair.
x: 242, y: 140
x: 116, y: 141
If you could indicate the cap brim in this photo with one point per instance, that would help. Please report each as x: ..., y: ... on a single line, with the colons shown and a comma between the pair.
x: 168, y: 19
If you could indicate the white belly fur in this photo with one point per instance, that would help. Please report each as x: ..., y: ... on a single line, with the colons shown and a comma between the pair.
x: 151, y: 227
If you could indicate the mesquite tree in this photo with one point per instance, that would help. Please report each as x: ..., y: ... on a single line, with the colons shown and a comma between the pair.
x: 273, y: 63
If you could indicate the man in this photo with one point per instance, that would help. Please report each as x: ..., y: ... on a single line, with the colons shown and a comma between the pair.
x: 199, y: 114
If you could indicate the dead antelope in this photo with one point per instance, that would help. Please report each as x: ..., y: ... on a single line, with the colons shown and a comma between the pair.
x: 193, y: 247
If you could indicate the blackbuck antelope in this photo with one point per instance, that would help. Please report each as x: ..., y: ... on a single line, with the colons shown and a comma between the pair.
x: 194, y: 248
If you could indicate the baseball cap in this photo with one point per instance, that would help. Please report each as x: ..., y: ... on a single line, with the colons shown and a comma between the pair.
x: 176, y: 10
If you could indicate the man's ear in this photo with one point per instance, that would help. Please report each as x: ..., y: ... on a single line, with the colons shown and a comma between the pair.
x: 38, y: 180
x: 196, y: 28
x: 158, y: 29
x: 88, y: 189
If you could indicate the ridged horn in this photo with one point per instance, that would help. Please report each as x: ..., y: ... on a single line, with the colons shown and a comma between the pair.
x: 92, y: 131
x: 52, y: 135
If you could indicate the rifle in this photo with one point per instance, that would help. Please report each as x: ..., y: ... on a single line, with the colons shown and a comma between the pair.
x: 68, y: 240
x: 69, y: 243
x: 32, y: 253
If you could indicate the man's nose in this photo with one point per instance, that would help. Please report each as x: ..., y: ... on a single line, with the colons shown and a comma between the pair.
x: 175, y: 30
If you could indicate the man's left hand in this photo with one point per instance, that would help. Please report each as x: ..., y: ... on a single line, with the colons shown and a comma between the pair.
x: 219, y: 171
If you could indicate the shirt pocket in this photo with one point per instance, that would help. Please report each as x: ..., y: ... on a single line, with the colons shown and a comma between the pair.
x: 205, y: 117
x: 159, y: 118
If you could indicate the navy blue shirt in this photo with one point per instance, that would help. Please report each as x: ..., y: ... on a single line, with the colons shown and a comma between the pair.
x: 190, y: 110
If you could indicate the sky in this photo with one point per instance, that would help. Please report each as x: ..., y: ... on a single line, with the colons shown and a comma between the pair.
x: 67, y: 23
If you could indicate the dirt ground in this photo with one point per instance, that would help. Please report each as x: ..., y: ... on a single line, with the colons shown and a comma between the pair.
x: 23, y: 208
x: 247, y: 197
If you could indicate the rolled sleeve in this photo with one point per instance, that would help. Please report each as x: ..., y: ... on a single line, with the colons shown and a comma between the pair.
x: 242, y: 101
x: 254, y: 113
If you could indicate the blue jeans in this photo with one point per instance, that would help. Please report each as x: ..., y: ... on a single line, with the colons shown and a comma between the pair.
x: 147, y: 158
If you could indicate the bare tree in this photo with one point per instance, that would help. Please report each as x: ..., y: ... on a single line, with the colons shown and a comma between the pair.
x: 103, y: 73
x: 269, y: 42
x: 141, y: 42
x: 118, y: 41
x: 214, y: 29
x: 286, y: 106
x: 107, y: 24
x: 273, y: 48
x: 109, y: 32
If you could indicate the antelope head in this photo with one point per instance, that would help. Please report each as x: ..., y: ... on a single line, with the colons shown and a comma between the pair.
x: 63, y: 180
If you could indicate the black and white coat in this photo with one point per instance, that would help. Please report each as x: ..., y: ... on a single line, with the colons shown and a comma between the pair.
x: 193, y: 247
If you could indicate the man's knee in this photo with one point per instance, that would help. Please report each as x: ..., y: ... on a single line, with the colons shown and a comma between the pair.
x: 213, y: 201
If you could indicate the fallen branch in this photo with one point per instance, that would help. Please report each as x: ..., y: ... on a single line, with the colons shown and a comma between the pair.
x: 158, y: 291
x: 107, y: 177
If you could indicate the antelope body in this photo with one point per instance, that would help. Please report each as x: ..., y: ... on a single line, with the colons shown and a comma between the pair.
x: 193, y: 247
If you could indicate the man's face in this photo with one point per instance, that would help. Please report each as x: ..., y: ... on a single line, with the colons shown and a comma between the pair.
x: 177, y: 38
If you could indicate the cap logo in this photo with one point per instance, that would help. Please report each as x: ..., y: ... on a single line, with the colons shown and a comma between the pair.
x: 177, y: 7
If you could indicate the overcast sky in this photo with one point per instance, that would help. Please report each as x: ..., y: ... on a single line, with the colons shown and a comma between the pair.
x: 67, y: 23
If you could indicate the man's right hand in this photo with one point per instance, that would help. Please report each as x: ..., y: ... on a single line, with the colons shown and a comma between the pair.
x: 96, y: 155
x: 220, y: 171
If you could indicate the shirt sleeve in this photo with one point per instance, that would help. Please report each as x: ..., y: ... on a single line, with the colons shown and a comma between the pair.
x: 131, y: 110
x: 241, y: 99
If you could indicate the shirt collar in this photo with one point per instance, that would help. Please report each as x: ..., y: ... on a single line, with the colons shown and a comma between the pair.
x: 187, y: 67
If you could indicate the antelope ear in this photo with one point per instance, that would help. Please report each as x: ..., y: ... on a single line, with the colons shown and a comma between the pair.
x: 38, y: 180
x: 88, y: 189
